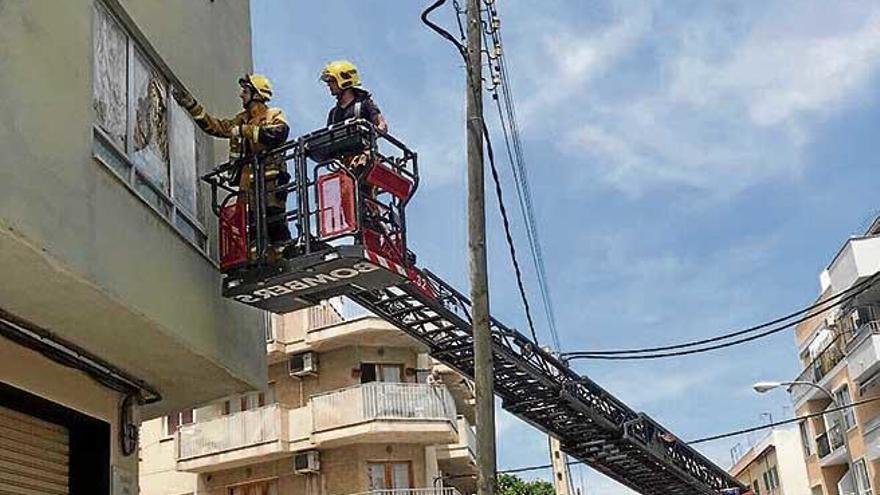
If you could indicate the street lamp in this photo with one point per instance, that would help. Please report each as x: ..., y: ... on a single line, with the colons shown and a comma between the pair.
x: 763, y: 387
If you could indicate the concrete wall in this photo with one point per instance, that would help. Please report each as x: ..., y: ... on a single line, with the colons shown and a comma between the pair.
x: 157, y: 467
x: 31, y: 372
x: 81, y: 254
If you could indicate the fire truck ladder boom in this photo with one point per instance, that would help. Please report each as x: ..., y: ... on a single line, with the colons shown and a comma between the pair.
x: 592, y: 425
x: 350, y: 186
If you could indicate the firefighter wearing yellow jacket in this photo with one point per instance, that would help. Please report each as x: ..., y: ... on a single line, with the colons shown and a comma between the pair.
x: 257, y: 128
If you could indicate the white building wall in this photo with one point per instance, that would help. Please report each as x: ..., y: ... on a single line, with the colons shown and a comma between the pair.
x: 790, y: 456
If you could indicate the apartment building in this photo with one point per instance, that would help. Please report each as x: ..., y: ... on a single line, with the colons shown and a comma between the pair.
x: 349, y: 409
x: 110, y: 308
x: 840, y: 356
x: 774, y: 465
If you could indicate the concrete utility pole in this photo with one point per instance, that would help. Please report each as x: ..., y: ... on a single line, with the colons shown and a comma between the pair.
x: 560, y: 467
x: 484, y: 370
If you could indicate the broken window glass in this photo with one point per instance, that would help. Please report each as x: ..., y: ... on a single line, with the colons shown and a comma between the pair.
x: 109, y: 86
x: 149, y: 135
x: 183, y: 160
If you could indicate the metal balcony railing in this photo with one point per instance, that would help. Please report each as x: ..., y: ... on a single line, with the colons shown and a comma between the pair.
x: 829, y: 441
x: 863, y: 333
x: 444, y: 490
x: 231, y: 432
x: 377, y: 400
x: 821, y: 365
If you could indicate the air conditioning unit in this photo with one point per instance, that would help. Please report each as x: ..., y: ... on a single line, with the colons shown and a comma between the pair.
x: 302, y: 364
x: 306, y: 462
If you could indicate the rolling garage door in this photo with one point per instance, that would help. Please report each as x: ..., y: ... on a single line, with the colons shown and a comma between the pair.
x: 34, y: 455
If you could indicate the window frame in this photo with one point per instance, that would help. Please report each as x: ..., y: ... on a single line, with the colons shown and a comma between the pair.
x: 187, y: 225
x: 166, y: 423
x: 849, y: 413
x: 806, y: 439
x: 388, y: 473
x: 858, y: 480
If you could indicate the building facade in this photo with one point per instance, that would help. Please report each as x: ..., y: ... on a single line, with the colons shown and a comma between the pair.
x: 352, y: 406
x: 110, y: 308
x: 774, y: 465
x: 840, y: 356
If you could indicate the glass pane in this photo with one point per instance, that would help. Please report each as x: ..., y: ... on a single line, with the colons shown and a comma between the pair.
x: 108, y: 155
x: 203, y: 166
x: 400, y: 475
x: 390, y: 374
x: 147, y: 191
x: 186, y: 417
x: 377, y: 476
x: 109, y: 79
x: 189, y: 230
x: 149, y: 134
x: 183, y: 159
x: 862, y: 476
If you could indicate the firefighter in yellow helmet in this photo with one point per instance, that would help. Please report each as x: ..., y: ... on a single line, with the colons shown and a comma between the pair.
x: 352, y: 101
x: 258, y: 127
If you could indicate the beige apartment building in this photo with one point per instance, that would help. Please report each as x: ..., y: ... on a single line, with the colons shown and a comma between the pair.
x: 840, y: 353
x: 351, y: 407
x: 110, y: 307
x: 775, y: 464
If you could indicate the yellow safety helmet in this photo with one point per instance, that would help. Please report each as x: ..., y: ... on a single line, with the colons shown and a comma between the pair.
x: 260, y: 84
x: 343, y: 72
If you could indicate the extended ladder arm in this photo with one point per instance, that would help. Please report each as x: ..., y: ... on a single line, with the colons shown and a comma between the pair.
x: 593, y: 425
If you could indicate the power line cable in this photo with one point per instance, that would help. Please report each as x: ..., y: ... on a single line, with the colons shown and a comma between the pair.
x: 780, y: 423
x: 789, y: 316
x: 819, y: 308
x: 495, y: 177
x: 513, y: 145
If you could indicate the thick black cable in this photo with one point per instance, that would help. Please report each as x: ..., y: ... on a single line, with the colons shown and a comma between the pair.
x: 509, y: 238
x: 573, y: 356
x: 832, y: 301
x: 519, y: 280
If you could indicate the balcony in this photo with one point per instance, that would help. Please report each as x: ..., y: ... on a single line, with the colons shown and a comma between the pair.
x: 384, y: 412
x: 829, y: 447
x: 239, y: 439
x: 863, y: 359
x: 857, y: 259
x: 308, y: 331
x: 818, y: 370
x: 459, y: 458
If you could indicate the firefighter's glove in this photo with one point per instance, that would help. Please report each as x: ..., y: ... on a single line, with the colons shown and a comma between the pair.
x: 183, y: 98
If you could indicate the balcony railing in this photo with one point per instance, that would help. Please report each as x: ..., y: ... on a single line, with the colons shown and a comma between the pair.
x: 829, y: 441
x: 235, y: 431
x: 444, y: 490
x: 470, y: 437
x: 375, y: 401
x: 821, y: 365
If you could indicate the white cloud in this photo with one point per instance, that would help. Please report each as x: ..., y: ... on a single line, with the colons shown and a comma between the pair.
x: 716, y: 108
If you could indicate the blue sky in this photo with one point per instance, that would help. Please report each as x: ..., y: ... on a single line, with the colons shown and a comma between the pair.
x: 694, y: 166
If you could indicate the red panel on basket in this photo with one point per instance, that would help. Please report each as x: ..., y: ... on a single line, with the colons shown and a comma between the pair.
x: 233, y: 235
x: 388, y: 180
x: 336, y: 214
